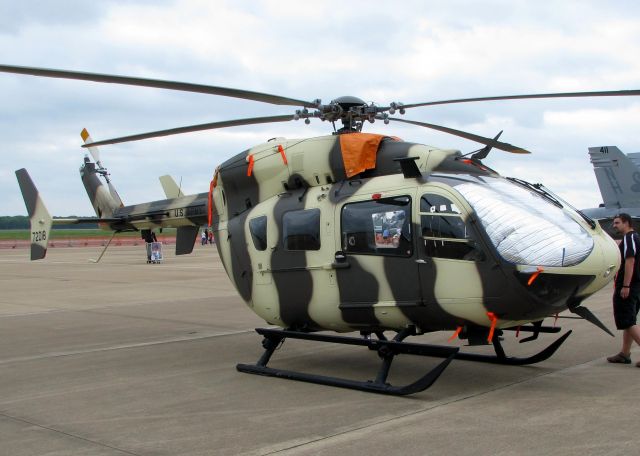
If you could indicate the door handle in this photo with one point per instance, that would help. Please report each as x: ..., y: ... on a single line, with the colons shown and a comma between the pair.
x: 421, y: 261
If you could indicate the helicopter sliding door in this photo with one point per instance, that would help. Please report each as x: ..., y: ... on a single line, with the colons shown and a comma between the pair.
x: 379, y: 272
x: 455, y: 270
x: 291, y: 242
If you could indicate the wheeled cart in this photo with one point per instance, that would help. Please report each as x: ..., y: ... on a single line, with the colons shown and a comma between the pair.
x: 154, y: 252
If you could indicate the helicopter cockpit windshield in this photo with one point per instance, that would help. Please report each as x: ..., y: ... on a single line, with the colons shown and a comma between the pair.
x: 525, y: 227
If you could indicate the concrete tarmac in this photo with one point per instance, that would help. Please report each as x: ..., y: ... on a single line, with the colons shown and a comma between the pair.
x: 127, y: 358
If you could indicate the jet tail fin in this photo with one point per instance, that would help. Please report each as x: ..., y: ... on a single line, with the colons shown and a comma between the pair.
x: 39, y: 217
x: 618, y: 177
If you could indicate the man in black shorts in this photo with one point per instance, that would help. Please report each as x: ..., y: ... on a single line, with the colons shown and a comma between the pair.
x: 626, y: 298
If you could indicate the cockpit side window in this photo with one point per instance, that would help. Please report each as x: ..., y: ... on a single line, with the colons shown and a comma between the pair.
x: 444, y: 233
x: 378, y: 227
x: 258, y: 229
x: 436, y: 204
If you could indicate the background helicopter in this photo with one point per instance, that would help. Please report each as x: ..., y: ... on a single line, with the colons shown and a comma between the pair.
x: 357, y: 231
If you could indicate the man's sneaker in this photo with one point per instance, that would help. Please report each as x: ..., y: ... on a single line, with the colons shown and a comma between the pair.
x: 620, y: 358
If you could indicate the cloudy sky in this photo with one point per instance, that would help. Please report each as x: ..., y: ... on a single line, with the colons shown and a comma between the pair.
x: 408, y: 51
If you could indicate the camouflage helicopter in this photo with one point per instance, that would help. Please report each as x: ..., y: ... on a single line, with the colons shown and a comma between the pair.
x: 362, y: 232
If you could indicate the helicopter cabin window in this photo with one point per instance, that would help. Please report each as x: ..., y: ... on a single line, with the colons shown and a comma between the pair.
x: 378, y: 227
x: 444, y: 233
x: 301, y: 230
x: 258, y: 229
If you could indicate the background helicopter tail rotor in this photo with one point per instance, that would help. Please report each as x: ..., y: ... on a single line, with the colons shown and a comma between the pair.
x: 94, y: 151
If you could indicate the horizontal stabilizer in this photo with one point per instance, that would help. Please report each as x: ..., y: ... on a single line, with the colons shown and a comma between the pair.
x: 186, y: 239
x: 84, y: 220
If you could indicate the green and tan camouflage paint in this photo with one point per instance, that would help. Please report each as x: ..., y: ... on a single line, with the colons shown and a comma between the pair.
x: 305, y: 290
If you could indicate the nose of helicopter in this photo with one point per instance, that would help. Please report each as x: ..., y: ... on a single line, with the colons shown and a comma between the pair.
x: 602, y: 263
x: 556, y: 288
x: 560, y: 259
x: 553, y: 289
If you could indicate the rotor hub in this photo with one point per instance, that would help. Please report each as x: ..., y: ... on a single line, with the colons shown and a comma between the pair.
x: 352, y: 111
x: 347, y: 102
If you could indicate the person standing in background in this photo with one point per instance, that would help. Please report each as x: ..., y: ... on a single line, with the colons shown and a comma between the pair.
x: 626, y: 297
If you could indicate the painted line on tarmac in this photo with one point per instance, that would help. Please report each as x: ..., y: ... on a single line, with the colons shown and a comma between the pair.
x: 314, y: 445
x: 126, y: 346
x: 31, y: 313
x: 68, y: 434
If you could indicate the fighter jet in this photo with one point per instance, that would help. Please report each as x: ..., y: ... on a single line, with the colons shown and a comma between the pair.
x: 618, y: 176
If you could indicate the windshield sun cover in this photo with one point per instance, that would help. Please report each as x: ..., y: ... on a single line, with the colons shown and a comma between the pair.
x: 525, y: 227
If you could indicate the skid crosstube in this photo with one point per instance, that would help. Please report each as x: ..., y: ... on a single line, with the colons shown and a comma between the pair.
x: 387, y: 350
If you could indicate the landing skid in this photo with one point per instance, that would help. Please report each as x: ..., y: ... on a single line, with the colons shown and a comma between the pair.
x: 501, y: 358
x: 387, y: 350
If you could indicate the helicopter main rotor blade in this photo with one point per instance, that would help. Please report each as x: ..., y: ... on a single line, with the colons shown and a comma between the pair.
x: 463, y: 134
x: 157, y: 83
x: 191, y: 128
x: 606, y: 93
